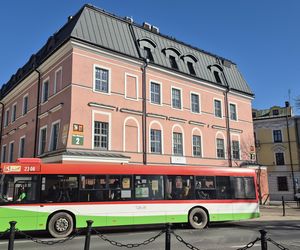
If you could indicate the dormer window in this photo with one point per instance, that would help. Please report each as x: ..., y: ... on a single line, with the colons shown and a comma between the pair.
x: 218, y: 79
x: 275, y: 112
x: 191, y: 68
x: 173, y: 62
x: 148, y: 54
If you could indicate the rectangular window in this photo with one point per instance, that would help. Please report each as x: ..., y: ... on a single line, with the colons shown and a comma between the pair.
x: 25, y: 105
x: 279, y: 158
x: 11, y: 151
x: 42, y: 140
x: 155, y: 93
x: 277, y: 136
x: 235, y: 150
x: 179, y: 187
x: 148, y: 54
x: 191, y: 68
x: 282, y: 183
x: 177, y: 144
x: 197, y: 146
x: 244, y: 187
x: 45, y: 92
x: 218, y: 108
x: 220, y: 148
x: 58, y: 80
x: 155, y: 141
x: 3, y: 156
x: 22, y: 147
x: 14, y: 113
x: 149, y: 187
x: 93, y: 188
x: 101, y: 80
x: 233, y: 113
x: 101, y: 135
x: 6, y: 119
x: 195, y: 103
x: 217, y: 77
x: 176, y: 98
x: 205, y: 187
x: 173, y: 62
x: 54, y: 136
x: 120, y: 187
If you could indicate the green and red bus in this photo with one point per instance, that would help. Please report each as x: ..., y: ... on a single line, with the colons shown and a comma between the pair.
x: 62, y: 197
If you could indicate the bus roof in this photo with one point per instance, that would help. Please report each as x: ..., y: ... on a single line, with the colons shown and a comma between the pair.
x: 107, y: 168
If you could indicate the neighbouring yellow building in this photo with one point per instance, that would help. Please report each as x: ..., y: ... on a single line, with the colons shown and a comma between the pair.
x: 276, y: 133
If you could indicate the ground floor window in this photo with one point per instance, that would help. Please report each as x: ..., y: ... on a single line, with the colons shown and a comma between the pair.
x: 282, y: 183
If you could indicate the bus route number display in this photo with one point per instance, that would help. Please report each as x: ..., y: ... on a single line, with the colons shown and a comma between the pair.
x: 18, y: 169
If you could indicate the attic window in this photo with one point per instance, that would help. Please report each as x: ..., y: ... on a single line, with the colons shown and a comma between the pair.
x: 218, y: 79
x: 148, y: 54
x: 191, y: 68
x: 173, y: 62
x: 275, y: 112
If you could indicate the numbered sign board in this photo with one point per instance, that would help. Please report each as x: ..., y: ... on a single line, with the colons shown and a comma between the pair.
x: 77, y: 140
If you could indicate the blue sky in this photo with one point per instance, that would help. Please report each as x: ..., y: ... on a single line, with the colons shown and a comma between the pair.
x: 261, y: 36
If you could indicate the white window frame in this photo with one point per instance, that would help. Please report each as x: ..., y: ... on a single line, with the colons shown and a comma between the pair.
x: 181, y: 101
x: 237, y: 138
x: 6, y: 117
x: 161, y: 133
x: 22, y: 137
x: 26, y: 95
x: 46, y: 80
x: 284, y: 158
x: 94, y: 112
x: 109, y: 79
x: 51, y: 134
x: 216, y: 145
x: 236, y: 111
x: 40, y: 139
x: 199, y: 133
x: 199, y: 96
x: 161, y: 92
x: 214, y: 111
x: 183, y: 140
x: 9, y: 153
x: 2, y: 155
x: 13, y: 112
x: 55, y: 79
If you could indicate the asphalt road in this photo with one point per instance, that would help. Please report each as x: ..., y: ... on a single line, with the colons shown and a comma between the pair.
x: 222, y: 236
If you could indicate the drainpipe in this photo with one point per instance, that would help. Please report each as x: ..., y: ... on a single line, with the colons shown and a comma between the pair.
x: 144, y: 108
x: 290, y: 150
x: 1, y: 129
x: 37, y: 114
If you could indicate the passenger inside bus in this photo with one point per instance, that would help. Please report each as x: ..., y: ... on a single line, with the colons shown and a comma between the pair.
x: 22, y: 194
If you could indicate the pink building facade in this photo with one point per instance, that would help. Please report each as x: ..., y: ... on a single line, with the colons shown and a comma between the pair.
x: 129, y: 95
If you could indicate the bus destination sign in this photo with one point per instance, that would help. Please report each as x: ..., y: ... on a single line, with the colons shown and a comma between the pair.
x: 19, y: 168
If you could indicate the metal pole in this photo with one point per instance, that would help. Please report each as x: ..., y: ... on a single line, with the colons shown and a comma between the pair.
x: 168, y: 237
x: 283, y: 206
x: 12, y: 231
x: 88, y: 235
x: 263, y: 240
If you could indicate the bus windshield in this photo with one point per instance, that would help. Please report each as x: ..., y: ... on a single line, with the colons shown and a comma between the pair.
x: 14, y: 188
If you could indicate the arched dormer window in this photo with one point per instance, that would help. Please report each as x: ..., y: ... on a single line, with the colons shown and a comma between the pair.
x: 147, y: 45
x: 217, y: 72
x: 190, y: 61
x: 173, y: 54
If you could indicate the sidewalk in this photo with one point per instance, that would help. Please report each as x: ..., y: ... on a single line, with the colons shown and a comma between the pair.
x: 275, y: 212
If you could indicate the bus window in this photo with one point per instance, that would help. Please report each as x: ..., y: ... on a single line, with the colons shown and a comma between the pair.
x: 244, y: 188
x: 205, y: 187
x: 120, y: 187
x: 179, y: 187
x: 223, y: 187
x: 19, y: 189
x: 149, y: 187
x: 59, y: 188
x: 93, y: 188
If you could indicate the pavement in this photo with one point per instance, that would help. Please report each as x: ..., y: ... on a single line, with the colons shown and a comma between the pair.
x: 275, y: 211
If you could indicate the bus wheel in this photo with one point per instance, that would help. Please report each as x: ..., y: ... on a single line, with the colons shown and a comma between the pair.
x: 198, y: 218
x: 60, y: 225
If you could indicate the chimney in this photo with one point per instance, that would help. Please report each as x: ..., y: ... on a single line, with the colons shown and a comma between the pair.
x: 147, y: 26
x: 155, y: 29
x: 129, y: 19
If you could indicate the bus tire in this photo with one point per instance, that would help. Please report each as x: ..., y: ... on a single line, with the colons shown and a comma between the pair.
x: 198, y: 218
x: 60, y: 225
